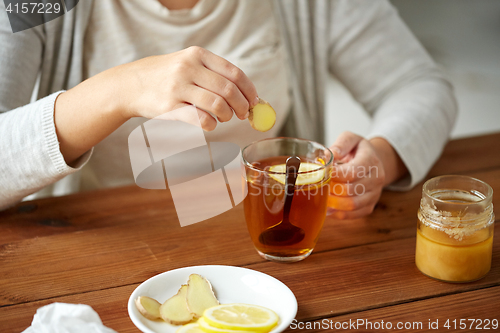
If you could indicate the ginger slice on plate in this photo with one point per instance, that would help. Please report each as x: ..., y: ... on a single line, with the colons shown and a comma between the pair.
x: 175, y: 311
x: 148, y: 307
x: 200, y: 295
x: 262, y: 117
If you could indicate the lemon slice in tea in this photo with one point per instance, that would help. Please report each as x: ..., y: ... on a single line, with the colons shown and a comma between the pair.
x: 304, y: 178
x: 242, y: 317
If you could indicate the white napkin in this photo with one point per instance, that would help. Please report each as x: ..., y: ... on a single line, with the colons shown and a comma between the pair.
x: 67, y: 318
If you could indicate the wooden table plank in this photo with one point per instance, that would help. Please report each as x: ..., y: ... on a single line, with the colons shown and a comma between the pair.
x: 136, y: 251
x: 469, y: 155
x: 421, y: 316
x: 366, y: 277
x: 110, y: 304
x: 151, y: 209
x: 85, y: 211
x: 394, y: 217
x: 130, y: 205
x: 89, y: 260
x: 96, y: 247
x: 327, y: 284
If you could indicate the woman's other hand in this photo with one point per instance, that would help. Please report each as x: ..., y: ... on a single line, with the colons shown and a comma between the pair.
x: 365, y: 168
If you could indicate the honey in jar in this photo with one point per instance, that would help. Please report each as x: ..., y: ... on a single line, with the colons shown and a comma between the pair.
x: 455, y: 229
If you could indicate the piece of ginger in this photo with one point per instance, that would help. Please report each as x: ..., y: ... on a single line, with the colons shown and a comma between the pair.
x: 262, y: 117
x: 148, y: 307
x: 200, y: 295
x: 175, y: 310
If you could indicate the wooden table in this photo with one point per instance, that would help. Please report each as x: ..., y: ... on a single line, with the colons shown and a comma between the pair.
x: 97, y: 247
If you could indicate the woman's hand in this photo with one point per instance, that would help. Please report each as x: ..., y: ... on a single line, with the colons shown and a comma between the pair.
x: 366, y: 167
x: 150, y: 87
x: 155, y: 85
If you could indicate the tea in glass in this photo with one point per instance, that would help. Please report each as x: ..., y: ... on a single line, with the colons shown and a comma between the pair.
x: 266, y: 176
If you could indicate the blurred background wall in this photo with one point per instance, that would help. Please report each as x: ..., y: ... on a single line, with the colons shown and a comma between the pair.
x: 463, y: 36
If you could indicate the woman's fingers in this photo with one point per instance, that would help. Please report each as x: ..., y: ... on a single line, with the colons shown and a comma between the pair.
x: 208, y: 101
x: 200, y: 118
x: 356, y: 185
x: 224, y: 88
x: 226, y: 69
x: 352, y: 203
x: 349, y: 189
x: 208, y: 123
x: 193, y: 76
x: 364, y: 164
x: 346, y: 142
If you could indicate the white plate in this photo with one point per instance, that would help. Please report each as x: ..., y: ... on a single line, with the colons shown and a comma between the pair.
x: 231, y: 285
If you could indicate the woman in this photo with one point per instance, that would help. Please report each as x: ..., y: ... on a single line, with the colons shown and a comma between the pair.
x: 105, y: 63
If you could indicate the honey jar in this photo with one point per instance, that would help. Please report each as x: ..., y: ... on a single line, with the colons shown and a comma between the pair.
x: 455, y: 229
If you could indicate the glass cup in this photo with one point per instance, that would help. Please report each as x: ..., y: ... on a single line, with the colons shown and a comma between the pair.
x: 455, y: 229
x: 265, y: 173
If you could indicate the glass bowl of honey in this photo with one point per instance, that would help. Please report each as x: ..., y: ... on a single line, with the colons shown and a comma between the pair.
x: 455, y: 229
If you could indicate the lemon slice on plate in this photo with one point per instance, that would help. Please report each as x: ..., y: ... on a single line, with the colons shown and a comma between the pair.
x: 190, y: 328
x: 305, y: 178
x: 206, y: 328
x: 242, y: 317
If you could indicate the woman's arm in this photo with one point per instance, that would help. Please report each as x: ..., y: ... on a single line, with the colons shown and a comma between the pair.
x: 148, y: 88
x: 386, y: 69
x: 44, y: 141
x: 29, y: 157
